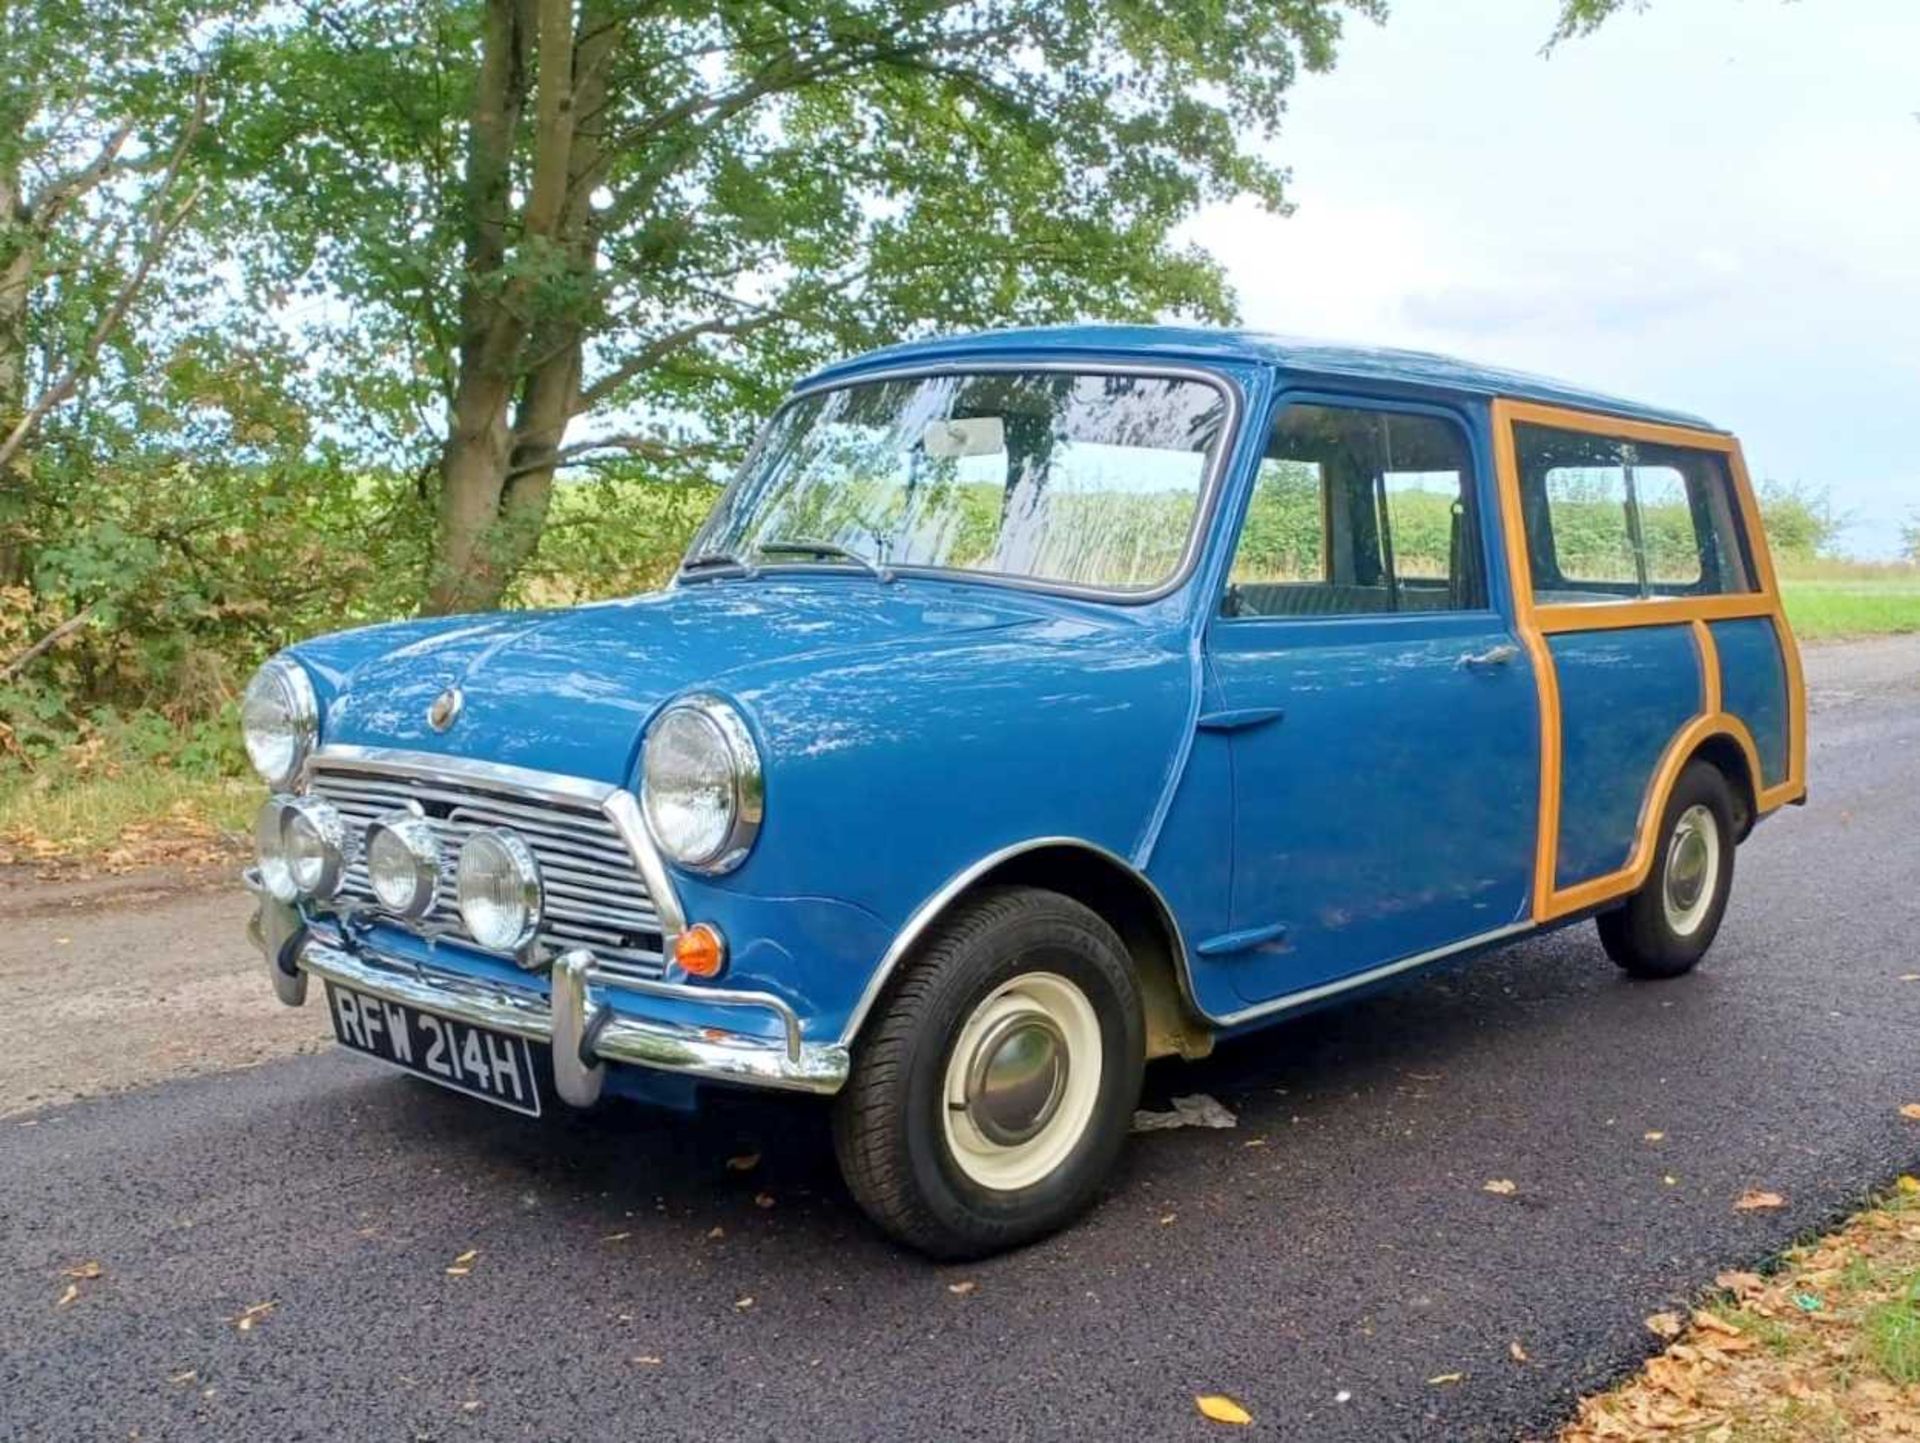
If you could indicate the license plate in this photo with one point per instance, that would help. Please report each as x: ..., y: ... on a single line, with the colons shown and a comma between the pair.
x: 492, y: 1066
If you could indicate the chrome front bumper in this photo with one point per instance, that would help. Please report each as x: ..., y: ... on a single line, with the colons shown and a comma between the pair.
x: 584, y: 1032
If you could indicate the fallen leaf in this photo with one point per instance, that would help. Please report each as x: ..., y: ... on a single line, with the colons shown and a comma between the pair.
x: 251, y: 1315
x: 743, y: 1303
x: 472, y: 1405
x: 1669, y: 1179
x: 1713, y: 1323
x: 763, y: 1200
x: 1516, y: 1352
x: 1911, y: 1111
x: 745, y: 1162
x: 645, y: 1360
x: 961, y: 1289
x: 186, y: 1377
x: 1741, y: 1285
x: 458, y: 1272
x: 467, y: 1257
x: 1907, y: 1183
x: 1910, y: 976
x: 616, y: 1237
x: 72, y: 1294
x: 1667, y: 1325
x: 85, y: 1270
x: 1499, y: 1186
x: 1652, y: 1136
x: 1446, y: 1380
x: 716, y: 1232
x: 1166, y: 1219
x: 1753, y: 1201
x: 1221, y: 1409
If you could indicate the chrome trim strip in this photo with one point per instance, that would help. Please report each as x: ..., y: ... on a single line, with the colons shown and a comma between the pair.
x: 925, y: 914
x: 1089, y: 365
x: 1325, y: 990
x: 623, y: 810
x: 399, y: 762
x: 669, y: 1047
x: 619, y: 805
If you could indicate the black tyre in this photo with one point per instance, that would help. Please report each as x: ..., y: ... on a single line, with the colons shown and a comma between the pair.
x: 993, y: 1087
x: 1667, y: 926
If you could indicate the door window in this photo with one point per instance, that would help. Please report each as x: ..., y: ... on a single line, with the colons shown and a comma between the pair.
x: 1358, y: 511
x: 1611, y: 519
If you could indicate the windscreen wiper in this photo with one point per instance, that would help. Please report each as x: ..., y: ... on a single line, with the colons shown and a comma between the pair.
x: 801, y: 546
x: 708, y: 561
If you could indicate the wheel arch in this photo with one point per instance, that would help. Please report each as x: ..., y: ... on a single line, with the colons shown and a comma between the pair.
x: 1735, y: 763
x: 1105, y: 884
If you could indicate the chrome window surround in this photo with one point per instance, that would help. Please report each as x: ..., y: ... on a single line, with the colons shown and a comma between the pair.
x: 617, y: 804
x: 1203, y: 511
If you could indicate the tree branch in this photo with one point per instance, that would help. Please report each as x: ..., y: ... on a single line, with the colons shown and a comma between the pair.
x: 46, y: 643
x: 658, y: 349
x: 60, y: 192
x: 159, y: 237
x: 650, y: 447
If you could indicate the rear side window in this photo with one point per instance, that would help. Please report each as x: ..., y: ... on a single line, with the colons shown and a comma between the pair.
x: 1357, y: 511
x: 1612, y: 519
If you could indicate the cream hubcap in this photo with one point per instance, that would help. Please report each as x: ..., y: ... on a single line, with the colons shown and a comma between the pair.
x: 1022, y: 1081
x: 1692, y: 871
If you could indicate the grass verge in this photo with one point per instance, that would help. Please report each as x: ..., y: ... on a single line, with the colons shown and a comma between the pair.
x: 1824, y: 1349
x: 1827, y: 599
x: 136, y: 816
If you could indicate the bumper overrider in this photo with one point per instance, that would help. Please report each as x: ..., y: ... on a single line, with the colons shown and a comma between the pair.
x: 571, y: 1016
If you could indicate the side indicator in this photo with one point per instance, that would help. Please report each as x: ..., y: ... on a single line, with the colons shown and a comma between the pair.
x: 701, y: 951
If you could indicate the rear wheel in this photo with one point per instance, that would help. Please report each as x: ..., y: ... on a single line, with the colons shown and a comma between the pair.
x: 1667, y: 926
x: 992, y: 1090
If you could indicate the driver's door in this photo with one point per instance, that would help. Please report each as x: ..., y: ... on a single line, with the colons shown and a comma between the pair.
x: 1382, y: 715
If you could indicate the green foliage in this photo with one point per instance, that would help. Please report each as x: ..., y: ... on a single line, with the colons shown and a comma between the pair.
x: 1892, y: 1334
x: 1799, y: 519
x: 1583, y: 17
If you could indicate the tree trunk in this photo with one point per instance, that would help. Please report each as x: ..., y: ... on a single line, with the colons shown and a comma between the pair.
x: 519, y: 380
x: 17, y: 254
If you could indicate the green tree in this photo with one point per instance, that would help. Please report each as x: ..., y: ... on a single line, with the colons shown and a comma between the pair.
x: 103, y: 107
x: 1799, y: 519
x: 538, y: 234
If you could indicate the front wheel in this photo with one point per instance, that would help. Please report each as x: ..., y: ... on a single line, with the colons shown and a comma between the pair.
x: 1667, y: 926
x: 992, y: 1090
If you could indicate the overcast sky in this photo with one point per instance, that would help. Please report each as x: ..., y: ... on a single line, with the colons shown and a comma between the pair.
x: 1714, y: 205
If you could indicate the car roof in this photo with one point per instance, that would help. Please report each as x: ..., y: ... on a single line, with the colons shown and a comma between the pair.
x: 1299, y: 356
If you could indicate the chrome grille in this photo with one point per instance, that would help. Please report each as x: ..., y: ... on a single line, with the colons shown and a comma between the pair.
x: 595, y: 897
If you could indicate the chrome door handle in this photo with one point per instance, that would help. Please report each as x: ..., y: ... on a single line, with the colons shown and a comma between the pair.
x: 1501, y: 655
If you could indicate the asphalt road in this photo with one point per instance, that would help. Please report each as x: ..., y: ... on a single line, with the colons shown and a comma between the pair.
x: 1322, y: 1263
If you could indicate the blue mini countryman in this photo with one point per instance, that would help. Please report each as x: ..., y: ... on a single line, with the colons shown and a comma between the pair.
x: 1032, y: 705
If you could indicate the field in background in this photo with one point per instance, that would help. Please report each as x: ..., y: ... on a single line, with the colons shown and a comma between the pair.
x: 1830, y: 600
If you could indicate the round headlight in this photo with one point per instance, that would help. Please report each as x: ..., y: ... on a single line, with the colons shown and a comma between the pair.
x: 403, y: 863
x: 313, y: 839
x: 279, y: 719
x: 270, y: 850
x: 700, y: 784
x: 499, y: 888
